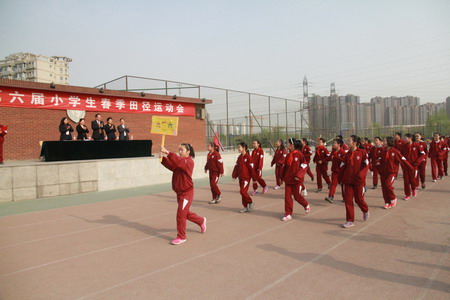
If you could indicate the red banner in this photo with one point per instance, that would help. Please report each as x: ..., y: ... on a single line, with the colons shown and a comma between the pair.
x: 32, y: 98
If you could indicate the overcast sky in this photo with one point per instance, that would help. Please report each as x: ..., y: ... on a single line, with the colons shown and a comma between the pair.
x: 368, y: 48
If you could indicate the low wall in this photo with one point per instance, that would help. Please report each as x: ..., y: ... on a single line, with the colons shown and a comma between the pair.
x: 46, y: 179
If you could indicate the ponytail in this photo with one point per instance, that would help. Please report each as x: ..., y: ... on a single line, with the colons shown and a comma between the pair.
x: 190, y: 149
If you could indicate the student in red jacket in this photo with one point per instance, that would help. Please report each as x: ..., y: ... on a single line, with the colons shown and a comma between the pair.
x: 307, y: 153
x: 321, y: 160
x: 436, y: 153
x: 374, y: 154
x: 387, y: 164
x: 214, y: 164
x: 344, y: 145
x: 353, y: 175
x: 446, y: 141
x: 258, y: 161
x: 182, y: 167
x: 337, y: 158
x: 294, y: 171
x: 3, y: 132
x: 278, y: 160
x: 423, y: 165
x: 245, y: 172
x: 414, y: 154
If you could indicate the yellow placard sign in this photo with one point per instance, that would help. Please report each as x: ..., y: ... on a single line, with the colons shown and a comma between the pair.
x: 165, y: 125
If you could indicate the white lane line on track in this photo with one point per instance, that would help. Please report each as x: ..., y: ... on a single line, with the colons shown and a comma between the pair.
x: 198, y: 256
x: 283, y: 278
x: 114, y: 247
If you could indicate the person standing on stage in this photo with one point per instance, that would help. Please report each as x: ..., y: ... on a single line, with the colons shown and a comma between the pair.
x: 3, y: 132
x: 65, y: 130
x: 293, y: 175
x: 374, y: 154
x: 182, y: 167
x: 97, y: 126
x: 214, y: 164
x: 353, y: 175
x: 321, y: 160
x: 278, y: 160
x: 82, y: 130
x: 124, y: 131
x: 245, y: 172
x: 415, y: 155
x: 258, y: 161
x: 387, y: 164
x: 110, y: 130
x: 307, y: 153
x: 436, y: 153
x: 337, y: 157
x: 422, y: 167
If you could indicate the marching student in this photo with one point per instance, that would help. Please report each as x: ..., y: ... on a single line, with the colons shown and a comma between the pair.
x: 294, y: 171
x: 423, y: 165
x: 307, y: 152
x: 258, y: 161
x: 414, y: 154
x: 214, y: 164
x: 337, y: 158
x: 344, y: 145
x: 387, y: 164
x: 445, y: 158
x: 398, y: 141
x: 182, y: 167
x: 374, y: 154
x: 3, y: 132
x: 353, y: 175
x: 436, y: 153
x: 321, y: 160
x: 278, y: 160
x: 245, y: 172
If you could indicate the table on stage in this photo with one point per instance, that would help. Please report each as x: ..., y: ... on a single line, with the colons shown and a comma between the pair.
x: 82, y: 150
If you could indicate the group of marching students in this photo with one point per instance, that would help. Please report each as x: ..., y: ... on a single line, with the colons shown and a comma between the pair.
x: 351, y: 160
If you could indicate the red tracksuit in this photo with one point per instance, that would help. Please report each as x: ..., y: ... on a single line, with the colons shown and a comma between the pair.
x: 293, y: 176
x: 387, y: 164
x: 353, y: 175
x: 278, y: 160
x: 307, y: 152
x: 321, y: 160
x: 214, y: 165
x: 258, y: 161
x: 337, y: 158
x: 183, y: 186
x: 414, y: 154
x: 423, y: 166
x: 345, y: 147
x: 2, y: 139
x: 374, y: 154
x: 245, y: 172
x: 445, y: 158
x: 436, y: 153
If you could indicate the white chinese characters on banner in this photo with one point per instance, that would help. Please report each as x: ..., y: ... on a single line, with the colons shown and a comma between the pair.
x: 120, y: 104
x: 134, y: 105
x: 74, y: 101
x: 157, y: 107
x: 56, y: 100
x: 16, y: 96
x: 180, y: 108
x: 90, y: 103
x: 106, y: 103
x: 37, y: 99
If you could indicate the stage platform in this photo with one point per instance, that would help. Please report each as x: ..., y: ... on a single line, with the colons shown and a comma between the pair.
x: 23, y: 180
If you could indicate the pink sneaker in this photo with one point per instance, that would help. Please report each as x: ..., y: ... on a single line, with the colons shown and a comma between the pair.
x: 203, y: 226
x: 308, y: 209
x: 265, y: 189
x: 393, y: 203
x: 414, y: 193
x: 254, y: 193
x: 286, y: 218
x: 177, y: 241
x: 407, y: 198
x: 387, y: 205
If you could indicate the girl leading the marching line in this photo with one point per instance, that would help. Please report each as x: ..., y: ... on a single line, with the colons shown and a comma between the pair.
x: 278, y: 160
x: 182, y: 167
x: 294, y: 171
x: 245, y: 172
x: 258, y: 161
x: 214, y: 164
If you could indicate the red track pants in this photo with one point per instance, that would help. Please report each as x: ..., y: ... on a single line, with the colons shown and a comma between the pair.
x: 334, y: 183
x: 354, y: 191
x: 259, y: 180
x: 213, y: 180
x: 310, y: 174
x: 387, y: 187
x: 244, y: 184
x: 278, y: 170
x: 293, y: 190
x: 410, y: 180
x: 445, y: 164
x: 183, y: 213
x: 436, y: 163
x: 375, y: 176
x: 321, y: 171
x: 422, y: 168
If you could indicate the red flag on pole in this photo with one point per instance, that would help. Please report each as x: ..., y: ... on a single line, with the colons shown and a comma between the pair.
x: 217, y: 141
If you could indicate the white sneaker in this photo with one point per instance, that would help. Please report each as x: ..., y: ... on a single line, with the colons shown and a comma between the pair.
x: 286, y: 218
x: 305, y: 193
x: 348, y: 224
x: 277, y: 187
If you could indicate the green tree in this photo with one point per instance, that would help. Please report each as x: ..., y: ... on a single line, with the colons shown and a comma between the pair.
x: 438, y: 122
